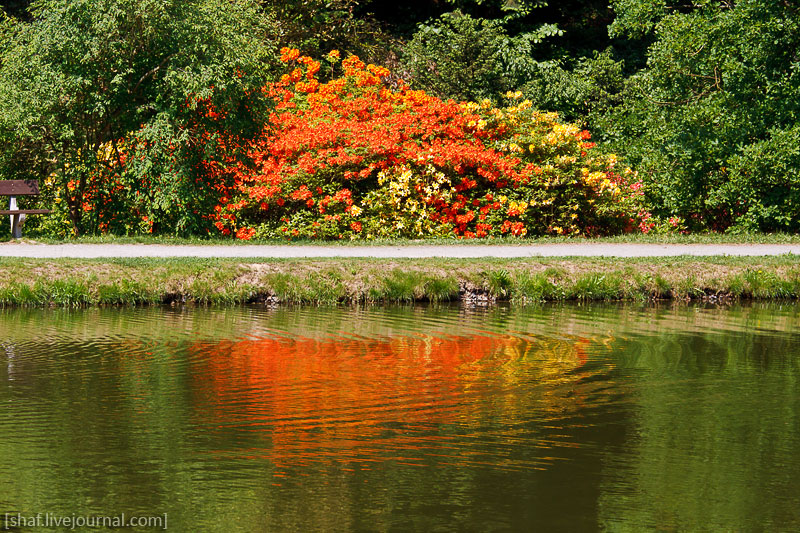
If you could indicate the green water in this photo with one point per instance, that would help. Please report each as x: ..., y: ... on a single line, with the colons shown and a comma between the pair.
x: 564, y: 418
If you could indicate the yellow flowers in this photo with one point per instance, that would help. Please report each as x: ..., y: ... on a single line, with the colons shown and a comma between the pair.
x: 562, y: 133
x: 594, y: 178
x: 402, y: 205
x: 518, y: 207
x: 608, y: 185
x: 522, y: 106
x: 355, y: 211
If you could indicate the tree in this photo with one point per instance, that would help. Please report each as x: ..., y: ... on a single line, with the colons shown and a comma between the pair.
x: 718, y: 98
x: 458, y: 56
x: 104, y: 99
x: 318, y: 26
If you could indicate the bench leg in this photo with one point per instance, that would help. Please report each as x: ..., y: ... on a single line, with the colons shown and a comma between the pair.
x: 16, y: 225
x: 16, y: 220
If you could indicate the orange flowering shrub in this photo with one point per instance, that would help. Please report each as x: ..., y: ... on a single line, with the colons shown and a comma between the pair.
x: 352, y: 158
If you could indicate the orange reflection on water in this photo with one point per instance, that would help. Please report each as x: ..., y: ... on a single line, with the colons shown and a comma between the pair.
x: 302, y: 399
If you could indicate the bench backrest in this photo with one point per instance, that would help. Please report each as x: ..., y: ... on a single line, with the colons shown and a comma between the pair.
x: 18, y: 187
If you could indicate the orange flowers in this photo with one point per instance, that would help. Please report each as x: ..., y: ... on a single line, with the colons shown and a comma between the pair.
x: 289, y: 54
x: 245, y: 234
x: 352, y: 157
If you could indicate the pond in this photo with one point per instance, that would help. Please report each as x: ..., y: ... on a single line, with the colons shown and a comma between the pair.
x: 566, y: 417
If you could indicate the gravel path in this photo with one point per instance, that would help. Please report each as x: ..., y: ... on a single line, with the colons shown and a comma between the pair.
x: 14, y: 249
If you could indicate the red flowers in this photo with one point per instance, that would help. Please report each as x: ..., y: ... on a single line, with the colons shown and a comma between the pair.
x: 407, y: 164
x: 245, y: 233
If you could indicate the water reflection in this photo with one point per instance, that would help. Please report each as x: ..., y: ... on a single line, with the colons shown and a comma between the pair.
x: 562, y: 417
x: 403, y: 399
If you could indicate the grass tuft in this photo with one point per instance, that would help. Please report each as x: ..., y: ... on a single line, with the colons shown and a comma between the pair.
x: 530, y: 287
x: 441, y: 289
x: 499, y: 283
x: 598, y: 287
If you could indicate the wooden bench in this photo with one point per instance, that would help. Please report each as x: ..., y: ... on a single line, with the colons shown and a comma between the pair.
x: 12, y: 189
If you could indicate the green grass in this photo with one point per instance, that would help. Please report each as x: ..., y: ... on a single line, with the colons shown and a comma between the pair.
x: 400, y: 286
x: 499, y: 282
x: 537, y: 287
x: 144, y: 281
x: 308, y: 289
x: 596, y: 286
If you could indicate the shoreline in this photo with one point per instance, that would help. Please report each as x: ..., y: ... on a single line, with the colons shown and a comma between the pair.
x: 340, y: 281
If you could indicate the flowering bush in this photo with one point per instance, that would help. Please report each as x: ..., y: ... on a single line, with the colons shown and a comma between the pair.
x: 352, y: 158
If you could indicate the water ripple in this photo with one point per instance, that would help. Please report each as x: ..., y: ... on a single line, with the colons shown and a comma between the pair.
x: 110, y: 409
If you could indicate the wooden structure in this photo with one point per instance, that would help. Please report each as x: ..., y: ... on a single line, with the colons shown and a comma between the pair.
x: 12, y: 189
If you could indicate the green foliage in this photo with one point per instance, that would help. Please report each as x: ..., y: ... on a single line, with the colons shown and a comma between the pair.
x: 89, y: 83
x: 763, y: 187
x: 410, y: 285
x: 662, y: 287
x: 499, y: 282
x: 62, y: 292
x: 767, y: 284
x: 709, y: 123
x: 17, y: 9
x: 317, y: 26
x: 321, y: 288
x: 514, y: 8
x: 688, y: 288
x: 458, y: 56
x: 126, y: 292
x: 598, y: 287
x: 637, y: 18
x: 584, y: 93
x: 467, y: 58
x: 402, y: 286
x: 441, y: 289
x: 537, y: 288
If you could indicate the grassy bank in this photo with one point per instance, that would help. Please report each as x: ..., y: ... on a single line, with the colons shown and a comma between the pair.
x: 86, y: 282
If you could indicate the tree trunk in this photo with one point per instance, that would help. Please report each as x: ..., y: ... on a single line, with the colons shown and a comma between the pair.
x: 74, y: 202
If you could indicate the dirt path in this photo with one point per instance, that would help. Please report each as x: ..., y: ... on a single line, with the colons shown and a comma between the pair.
x: 13, y: 249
